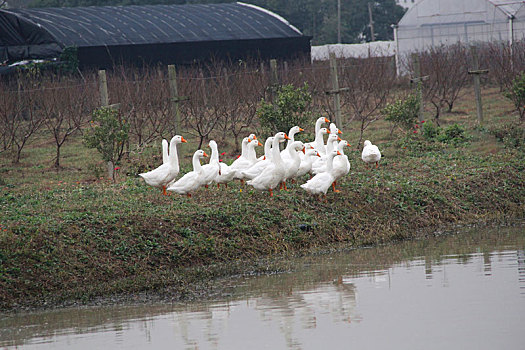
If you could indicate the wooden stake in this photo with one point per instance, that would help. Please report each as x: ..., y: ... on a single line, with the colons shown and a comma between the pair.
x: 335, y: 89
x: 476, y: 72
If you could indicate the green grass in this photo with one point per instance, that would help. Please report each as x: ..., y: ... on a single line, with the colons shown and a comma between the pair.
x: 73, y: 235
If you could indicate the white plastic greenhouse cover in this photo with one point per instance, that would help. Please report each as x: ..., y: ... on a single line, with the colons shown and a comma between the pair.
x: 431, y: 23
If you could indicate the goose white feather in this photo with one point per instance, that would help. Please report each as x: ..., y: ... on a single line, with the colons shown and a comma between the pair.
x: 371, y: 153
x: 167, y: 172
x: 192, y: 180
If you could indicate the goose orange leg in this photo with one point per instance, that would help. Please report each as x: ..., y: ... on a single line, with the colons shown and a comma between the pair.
x: 271, y: 192
x: 164, y: 191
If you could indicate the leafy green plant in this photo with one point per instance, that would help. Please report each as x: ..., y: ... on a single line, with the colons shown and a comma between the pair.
x: 511, y: 135
x: 108, y: 134
x: 402, y: 113
x: 454, y: 134
x: 516, y: 94
x: 430, y: 131
x: 290, y: 108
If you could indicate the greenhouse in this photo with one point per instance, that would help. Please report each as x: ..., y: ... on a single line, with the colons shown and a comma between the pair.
x: 431, y: 23
x: 169, y: 34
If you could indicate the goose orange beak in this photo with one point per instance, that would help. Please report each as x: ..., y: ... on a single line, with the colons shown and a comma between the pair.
x: 205, y: 155
x: 264, y: 157
x: 349, y: 145
x: 326, y: 120
x: 339, y: 131
x: 339, y: 153
x: 286, y: 137
x: 328, y: 131
x: 317, y: 153
x: 301, y: 129
x: 259, y: 143
x: 183, y: 139
x: 304, y: 148
x: 254, y: 137
x: 339, y: 139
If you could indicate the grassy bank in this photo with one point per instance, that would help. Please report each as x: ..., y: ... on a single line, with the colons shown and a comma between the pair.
x: 70, y: 235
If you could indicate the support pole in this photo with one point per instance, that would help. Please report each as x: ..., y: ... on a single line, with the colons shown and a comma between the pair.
x: 104, y: 102
x: 418, y: 79
x: 476, y: 72
x: 274, y: 78
x: 335, y: 88
x: 172, y: 75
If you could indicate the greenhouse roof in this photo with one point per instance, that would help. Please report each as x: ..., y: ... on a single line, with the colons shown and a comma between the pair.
x: 509, y: 7
x: 153, y: 24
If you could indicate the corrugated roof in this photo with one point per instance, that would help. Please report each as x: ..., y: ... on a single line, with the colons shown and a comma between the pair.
x: 150, y: 24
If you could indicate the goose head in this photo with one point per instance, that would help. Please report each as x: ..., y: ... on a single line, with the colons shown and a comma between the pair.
x: 367, y: 143
x: 178, y: 139
x: 252, y: 137
x: 297, y: 146
x: 294, y: 130
x: 281, y: 136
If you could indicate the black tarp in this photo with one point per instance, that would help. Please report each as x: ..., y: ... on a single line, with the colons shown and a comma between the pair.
x: 21, y: 39
x: 163, y: 33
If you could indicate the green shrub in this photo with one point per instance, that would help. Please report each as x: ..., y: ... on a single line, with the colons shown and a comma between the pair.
x: 516, y: 94
x: 430, y: 131
x: 454, y: 134
x: 511, y: 135
x: 290, y: 108
x: 402, y: 113
x: 108, y: 134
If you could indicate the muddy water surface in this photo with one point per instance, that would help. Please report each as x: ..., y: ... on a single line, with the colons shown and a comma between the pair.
x: 464, y: 291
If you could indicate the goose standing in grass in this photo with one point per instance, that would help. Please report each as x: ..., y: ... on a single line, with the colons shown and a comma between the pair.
x: 318, y: 143
x: 285, y: 153
x: 192, y: 180
x: 241, y: 165
x: 319, y: 164
x: 274, y: 173
x: 259, y: 166
x: 370, y: 154
x: 306, y: 163
x: 341, y: 164
x: 167, y: 172
x: 319, y: 184
x: 211, y: 170
x: 292, y: 164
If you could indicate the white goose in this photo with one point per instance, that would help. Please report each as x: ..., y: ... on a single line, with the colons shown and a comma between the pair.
x: 211, y: 170
x: 242, y: 164
x: 274, y: 173
x: 167, y: 172
x: 259, y: 166
x: 318, y: 143
x: 285, y: 153
x: 306, y: 163
x: 370, y: 154
x: 319, y: 164
x: 192, y: 180
x: 334, y: 129
x: 318, y: 123
x: 320, y: 183
x: 341, y: 163
x: 293, y: 163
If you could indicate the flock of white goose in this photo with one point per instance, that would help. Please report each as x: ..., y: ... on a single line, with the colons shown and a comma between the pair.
x: 325, y: 162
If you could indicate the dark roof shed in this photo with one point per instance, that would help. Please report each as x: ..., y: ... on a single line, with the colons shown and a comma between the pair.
x: 177, y: 34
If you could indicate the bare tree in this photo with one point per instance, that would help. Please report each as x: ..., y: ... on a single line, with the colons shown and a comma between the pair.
x: 65, y: 109
x: 447, y: 68
x: 369, y: 82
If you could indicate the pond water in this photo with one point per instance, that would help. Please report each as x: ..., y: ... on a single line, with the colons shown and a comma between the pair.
x: 462, y: 291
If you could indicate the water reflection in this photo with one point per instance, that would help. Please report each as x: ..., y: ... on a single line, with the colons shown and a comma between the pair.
x: 464, y: 291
